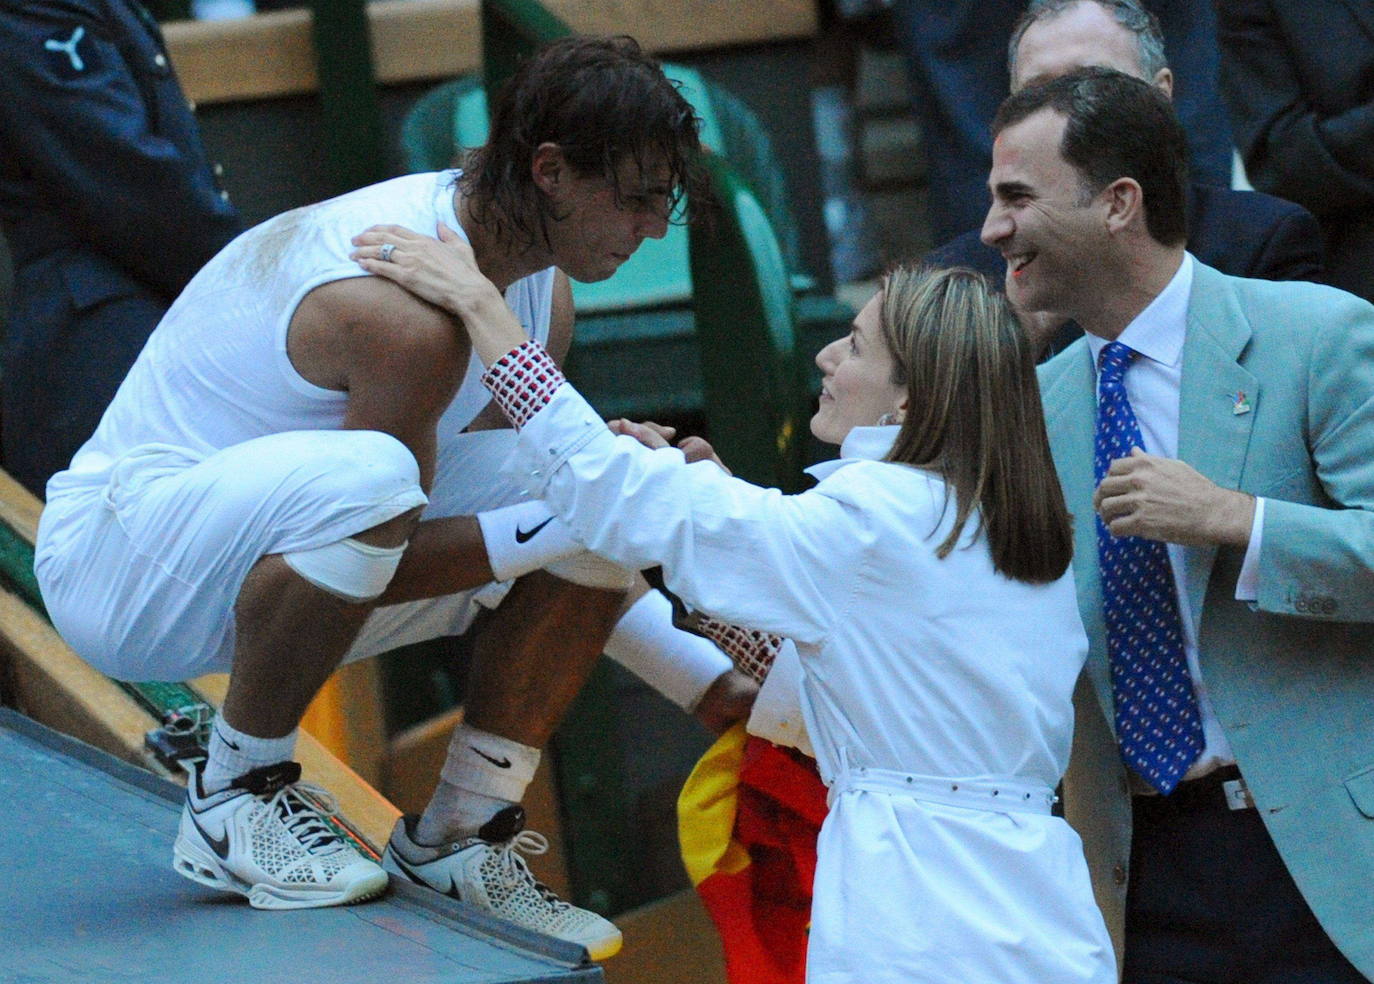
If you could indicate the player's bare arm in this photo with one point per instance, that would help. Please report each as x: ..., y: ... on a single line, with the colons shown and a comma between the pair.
x: 401, y: 361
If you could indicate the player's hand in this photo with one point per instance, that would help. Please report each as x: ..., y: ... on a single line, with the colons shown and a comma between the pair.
x: 698, y: 449
x: 729, y: 699
x: 1165, y: 499
x: 655, y: 436
x: 646, y: 432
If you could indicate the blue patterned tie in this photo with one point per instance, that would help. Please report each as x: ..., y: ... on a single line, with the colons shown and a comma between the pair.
x: 1158, y: 725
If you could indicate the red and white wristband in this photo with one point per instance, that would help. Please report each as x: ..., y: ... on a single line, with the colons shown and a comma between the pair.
x: 751, y: 650
x: 523, y: 381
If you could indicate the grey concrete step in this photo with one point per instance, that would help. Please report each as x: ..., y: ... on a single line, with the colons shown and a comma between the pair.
x: 87, y: 893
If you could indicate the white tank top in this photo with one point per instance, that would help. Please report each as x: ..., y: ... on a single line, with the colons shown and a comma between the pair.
x: 215, y: 372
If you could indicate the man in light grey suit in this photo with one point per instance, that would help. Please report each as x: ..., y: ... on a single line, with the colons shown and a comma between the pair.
x: 1238, y: 845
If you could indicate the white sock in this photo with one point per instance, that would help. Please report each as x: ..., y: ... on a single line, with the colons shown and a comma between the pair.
x: 679, y: 665
x: 483, y: 774
x: 231, y: 753
x: 524, y: 537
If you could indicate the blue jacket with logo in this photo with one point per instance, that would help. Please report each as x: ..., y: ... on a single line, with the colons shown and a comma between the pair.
x: 109, y: 206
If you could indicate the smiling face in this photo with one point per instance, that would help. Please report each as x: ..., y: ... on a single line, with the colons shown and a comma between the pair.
x: 594, y: 230
x: 857, y: 387
x: 1052, y: 236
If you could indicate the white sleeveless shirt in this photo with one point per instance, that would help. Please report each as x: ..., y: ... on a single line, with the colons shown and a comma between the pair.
x: 216, y: 373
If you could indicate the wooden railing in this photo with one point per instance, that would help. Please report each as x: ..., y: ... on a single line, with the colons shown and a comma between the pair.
x: 413, y: 40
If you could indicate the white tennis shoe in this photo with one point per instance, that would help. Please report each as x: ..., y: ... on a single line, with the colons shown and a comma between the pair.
x: 262, y: 838
x: 488, y: 871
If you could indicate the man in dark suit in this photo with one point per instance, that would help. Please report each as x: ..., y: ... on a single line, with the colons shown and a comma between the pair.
x: 955, y: 55
x: 1245, y: 234
x: 1222, y: 774
x: 1299, y: 76
x: 109, y: 206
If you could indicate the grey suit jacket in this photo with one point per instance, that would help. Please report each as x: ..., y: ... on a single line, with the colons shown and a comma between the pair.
x: 1291, y: 676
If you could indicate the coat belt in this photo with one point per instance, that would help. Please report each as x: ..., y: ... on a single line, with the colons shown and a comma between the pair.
x: 995, y: 794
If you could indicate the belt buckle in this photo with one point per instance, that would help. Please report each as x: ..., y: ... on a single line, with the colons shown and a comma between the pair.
x: 1237, y: 795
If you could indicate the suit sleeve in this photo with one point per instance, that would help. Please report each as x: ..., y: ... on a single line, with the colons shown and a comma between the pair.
x: 106, y: 141
x: 749, y: 555
x: 1317, y: 561
x: 1293, y: 252
x: 1291, y: 147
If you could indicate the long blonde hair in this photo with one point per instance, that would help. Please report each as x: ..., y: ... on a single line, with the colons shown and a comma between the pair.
x: 974, y: 415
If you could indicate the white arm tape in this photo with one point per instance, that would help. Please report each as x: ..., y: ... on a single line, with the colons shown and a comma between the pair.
x: 524, y: 537
x: 679, y: 665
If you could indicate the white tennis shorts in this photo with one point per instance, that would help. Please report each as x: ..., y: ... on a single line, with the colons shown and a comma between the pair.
x: 141, y: 575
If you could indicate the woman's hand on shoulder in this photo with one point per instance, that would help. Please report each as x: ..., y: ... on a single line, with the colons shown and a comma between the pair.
x: 442, y: 271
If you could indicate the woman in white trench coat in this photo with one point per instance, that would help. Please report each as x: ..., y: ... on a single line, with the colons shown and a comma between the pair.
x: 925, y: 581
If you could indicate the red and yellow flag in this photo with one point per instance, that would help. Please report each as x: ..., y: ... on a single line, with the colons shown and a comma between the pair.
x: 748, y: 818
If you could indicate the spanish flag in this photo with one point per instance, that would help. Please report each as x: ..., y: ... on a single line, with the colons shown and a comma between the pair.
x: 748, y: 819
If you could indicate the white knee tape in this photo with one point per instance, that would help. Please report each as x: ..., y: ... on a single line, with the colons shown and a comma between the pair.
x: 349, y: 569
x: 592, y: 571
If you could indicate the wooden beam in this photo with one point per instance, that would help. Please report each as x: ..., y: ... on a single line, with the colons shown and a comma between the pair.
x: 19, y: 508
x: 56, y: 687
x: 270, y: 54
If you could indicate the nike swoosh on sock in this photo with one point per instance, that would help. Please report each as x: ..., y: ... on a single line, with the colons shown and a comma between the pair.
x: 500, y: 763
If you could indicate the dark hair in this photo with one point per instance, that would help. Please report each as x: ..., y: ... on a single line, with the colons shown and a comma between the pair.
x: 600, y: 99
x: 1117, y: 127
x: 974, y: 415
x: 1143, y: 25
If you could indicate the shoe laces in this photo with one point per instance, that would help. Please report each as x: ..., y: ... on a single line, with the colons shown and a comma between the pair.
x: 514, y: 870
x: 306, y: 821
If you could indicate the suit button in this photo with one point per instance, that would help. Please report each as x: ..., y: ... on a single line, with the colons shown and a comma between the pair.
x: 1119, y: 874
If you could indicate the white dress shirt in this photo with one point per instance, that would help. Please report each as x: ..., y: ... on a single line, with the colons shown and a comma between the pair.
x: 1152, y: 386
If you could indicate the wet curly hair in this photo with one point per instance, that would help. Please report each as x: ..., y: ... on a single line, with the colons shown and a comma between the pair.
x: 601, y: 100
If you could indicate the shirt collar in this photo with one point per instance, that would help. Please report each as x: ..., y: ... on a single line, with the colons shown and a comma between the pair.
x: 1157, y: 332
x: 860, y: 444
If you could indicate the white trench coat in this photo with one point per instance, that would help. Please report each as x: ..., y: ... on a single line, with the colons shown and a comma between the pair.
x: 937, y: 693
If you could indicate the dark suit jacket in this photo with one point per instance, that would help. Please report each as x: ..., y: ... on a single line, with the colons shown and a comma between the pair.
x: 1241, y: 233
x: 109, y: 207
x: 1299, y: 77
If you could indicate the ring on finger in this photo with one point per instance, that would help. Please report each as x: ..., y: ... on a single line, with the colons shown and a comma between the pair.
x: 387, y: 250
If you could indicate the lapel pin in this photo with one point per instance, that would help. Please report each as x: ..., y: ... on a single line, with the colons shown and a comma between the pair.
x: 1240, y: 403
